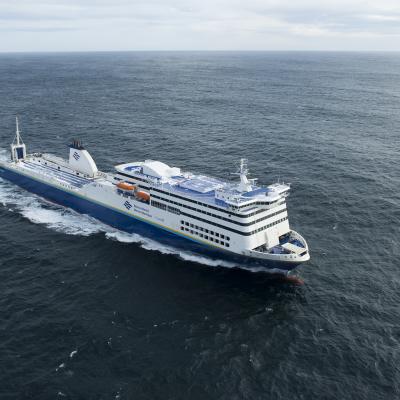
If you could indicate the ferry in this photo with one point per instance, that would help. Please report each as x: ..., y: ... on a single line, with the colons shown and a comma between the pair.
x: 240, y: 221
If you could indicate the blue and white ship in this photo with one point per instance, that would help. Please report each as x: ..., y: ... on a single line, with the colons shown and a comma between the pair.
x: 239, y: 220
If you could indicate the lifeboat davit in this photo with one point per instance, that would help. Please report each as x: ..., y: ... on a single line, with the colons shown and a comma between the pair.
x: 143, y: 196
x: 125, y: 186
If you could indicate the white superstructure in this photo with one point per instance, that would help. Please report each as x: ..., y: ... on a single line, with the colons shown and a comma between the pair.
x: 236, y: 217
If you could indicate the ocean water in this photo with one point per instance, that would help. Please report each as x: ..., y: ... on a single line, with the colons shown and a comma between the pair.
x: 88, y: 312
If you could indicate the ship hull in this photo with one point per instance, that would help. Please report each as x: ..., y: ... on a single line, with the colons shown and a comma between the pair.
x: 129, y: 224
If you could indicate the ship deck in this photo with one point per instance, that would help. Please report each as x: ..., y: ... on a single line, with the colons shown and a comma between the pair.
x: 197, y: 187
x: 208, y: 197
x: 61, y: 176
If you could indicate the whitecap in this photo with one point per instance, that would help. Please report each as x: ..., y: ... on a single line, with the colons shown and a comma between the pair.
x: 60, y: 366
x: 73, y: 353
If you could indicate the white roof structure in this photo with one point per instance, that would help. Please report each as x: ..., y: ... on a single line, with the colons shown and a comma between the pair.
x: 150, y: 168
x: 159, y: 169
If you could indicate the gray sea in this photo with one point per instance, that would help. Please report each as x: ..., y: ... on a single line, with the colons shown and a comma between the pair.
x: 88, y: 312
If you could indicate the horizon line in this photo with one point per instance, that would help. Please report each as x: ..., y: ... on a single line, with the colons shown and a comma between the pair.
x: 198, y: 51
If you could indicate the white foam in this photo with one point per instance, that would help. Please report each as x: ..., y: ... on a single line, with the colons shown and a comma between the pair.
x: 40, y: 211
x: 152, y: 245
x: 73, y: 353
x: 60, y: 366
x: 124, y: 237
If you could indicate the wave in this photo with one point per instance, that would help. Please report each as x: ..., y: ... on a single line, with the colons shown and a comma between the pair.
x: 153, y: 245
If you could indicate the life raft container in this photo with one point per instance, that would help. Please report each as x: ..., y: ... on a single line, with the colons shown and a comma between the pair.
x: 143, y: 196
x: 125, y: 186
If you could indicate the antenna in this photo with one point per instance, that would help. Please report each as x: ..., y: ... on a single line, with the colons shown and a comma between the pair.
x: 242, y: 170
x: 18, y: 149
x: 17, y: 131
x: 245, y: 183
x: 243, y: 166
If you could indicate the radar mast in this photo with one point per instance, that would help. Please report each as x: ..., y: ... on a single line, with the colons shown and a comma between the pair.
x: 18, y: 149
x: 245, y: 184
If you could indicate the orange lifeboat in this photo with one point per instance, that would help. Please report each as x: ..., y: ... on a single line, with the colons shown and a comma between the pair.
x: 125, y: 186
x: 143, y: 196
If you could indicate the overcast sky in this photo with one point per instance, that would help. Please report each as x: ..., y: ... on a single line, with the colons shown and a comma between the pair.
x: 80, y: 25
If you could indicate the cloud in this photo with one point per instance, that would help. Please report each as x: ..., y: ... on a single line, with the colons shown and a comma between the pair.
x: 199, y: 24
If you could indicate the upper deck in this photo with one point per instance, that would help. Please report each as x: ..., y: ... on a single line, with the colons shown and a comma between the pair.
x: 202, y: 188
x: 48, y: 169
